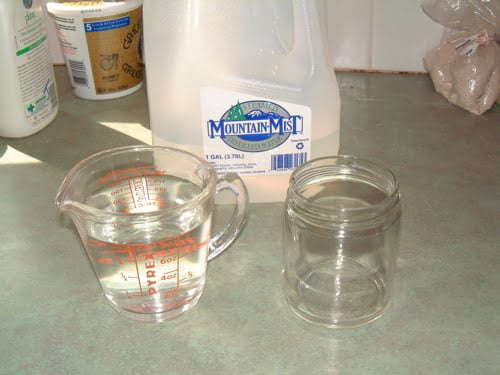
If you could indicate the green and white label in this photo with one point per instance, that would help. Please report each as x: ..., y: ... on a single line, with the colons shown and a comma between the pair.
x: 34, y: 67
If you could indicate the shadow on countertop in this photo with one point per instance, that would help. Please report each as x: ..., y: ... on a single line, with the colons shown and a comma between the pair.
x: 78, y: 129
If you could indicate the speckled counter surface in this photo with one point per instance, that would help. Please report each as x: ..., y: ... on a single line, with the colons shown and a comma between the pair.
x: 445, y: 312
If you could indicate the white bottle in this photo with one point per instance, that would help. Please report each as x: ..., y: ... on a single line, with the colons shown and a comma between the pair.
x: 245, y: 83
x: 28, y: 96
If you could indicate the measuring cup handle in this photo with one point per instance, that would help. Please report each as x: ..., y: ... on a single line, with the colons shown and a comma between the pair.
x: 232, y: 229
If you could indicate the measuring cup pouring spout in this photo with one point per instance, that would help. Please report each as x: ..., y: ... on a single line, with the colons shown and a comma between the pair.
x: 70, y: 197
x: 67, y: 206
x: 144, y: 215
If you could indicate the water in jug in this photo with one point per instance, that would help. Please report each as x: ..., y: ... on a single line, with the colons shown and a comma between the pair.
x: 246, y: 84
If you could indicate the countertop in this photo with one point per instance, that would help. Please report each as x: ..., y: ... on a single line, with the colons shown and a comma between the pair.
x: 444, y: 316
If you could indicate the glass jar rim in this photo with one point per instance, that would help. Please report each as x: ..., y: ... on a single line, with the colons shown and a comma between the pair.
x: 345, y: 166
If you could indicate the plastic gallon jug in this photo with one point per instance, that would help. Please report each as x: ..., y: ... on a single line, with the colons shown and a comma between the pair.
x: 28, y: 96
x: 246, y: 84
x: 101, y: 44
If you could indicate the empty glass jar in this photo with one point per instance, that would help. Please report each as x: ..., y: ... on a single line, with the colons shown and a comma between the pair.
x: 341, y: 240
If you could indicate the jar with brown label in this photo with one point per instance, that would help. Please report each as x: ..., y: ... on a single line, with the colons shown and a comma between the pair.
x: 102, y: 45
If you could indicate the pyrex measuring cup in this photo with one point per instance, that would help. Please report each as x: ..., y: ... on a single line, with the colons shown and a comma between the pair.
x: 144, y: 215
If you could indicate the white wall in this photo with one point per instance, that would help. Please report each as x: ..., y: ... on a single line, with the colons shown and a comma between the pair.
x: 364, y: 34
x: 380, y: 34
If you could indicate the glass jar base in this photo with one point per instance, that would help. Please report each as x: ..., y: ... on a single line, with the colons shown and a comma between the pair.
x: 338, y: 293
x: 334, y: 324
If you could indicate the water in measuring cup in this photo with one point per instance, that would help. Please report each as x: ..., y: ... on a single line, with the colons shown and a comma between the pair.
x: 153, y: 267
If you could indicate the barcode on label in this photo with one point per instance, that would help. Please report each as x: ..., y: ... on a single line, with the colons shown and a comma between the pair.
x: 78, y: 72
x: 287, y: 161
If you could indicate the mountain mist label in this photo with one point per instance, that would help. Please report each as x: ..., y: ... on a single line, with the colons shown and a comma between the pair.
x: 253, y: 136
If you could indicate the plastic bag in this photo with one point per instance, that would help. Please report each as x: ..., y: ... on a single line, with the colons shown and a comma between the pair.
x: 465, y: 66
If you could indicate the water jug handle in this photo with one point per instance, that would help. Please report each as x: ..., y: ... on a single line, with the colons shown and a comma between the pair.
x: 232, y: 229
x: 309, y: 37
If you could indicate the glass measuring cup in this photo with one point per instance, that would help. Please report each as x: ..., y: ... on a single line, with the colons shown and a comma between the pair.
x: 144, y: 216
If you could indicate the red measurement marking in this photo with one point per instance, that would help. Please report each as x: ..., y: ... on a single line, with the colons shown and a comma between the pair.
x: 178, y: 268
x: 171, y: 293
x: 96, y: 243
x: 118, y: 182
x: 114, y: 249
x: 167, y: 259
x: 175, y: 246
x: 192, y: 248
x: 137, y: 270
x: 122, y: 197
x: 170, y: 277
x: 133, y: 199
x: 155, y: 173
x: 105, y: 261
x: 119, y: 192
x: 147, y: 188
x: 144, y: 247
x: 166, y: 253
x: 163, y: 248
x: 125, y: 173
x: 153, y: 203
x: 175, y: 304
x: 129, y: 295
x: 120, y: 200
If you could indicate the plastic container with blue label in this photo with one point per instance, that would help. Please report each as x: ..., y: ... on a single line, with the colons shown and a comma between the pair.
x: 246, y: 84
